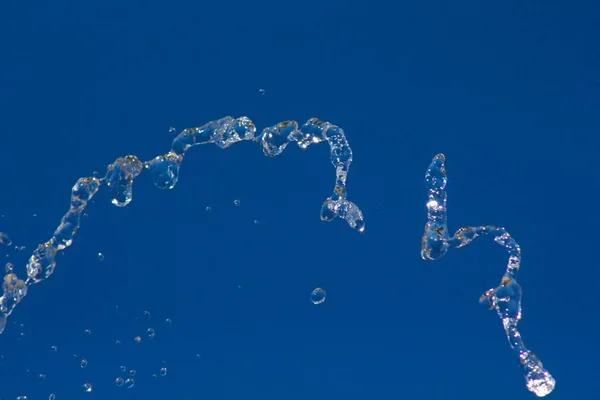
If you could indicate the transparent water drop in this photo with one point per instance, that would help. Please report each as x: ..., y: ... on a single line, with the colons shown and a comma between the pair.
x: 100, y: 256
x: 132, y: 372
x: 119, y: 381
x: 137, y: 339
x: 83, y: 363
x: 172, y: 129
x: 208, y: 208
x: 236, y: 202
x: 129, y: 383
x: 54, y: 348
x: 163, y: 371
x: 87, y: 387
x: 88, y: 332
x: 318, y: 296
x: 146, y: 313
x: 123, y: 368
x: 168, y: 321
x: 261, y: 91
x: 151, y: 333
x: 21, y: 397
x: 52, y: 396
x: 256, y: 222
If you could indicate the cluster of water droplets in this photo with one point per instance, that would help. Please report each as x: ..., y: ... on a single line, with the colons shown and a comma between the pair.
x: 142, y: 339
x: 121, y: 174
x: 506, y: 297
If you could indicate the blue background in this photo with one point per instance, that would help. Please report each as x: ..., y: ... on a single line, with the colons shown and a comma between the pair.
x: 508, y: 90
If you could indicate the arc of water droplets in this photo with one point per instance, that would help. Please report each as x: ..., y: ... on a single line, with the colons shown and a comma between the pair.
x: 121, y: 174
x: 506, y: 297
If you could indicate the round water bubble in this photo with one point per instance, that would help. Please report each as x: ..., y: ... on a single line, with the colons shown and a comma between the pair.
x: 163, y: 371
x: 119, y: 381
x: 318, y: 296
x: 129, y: 383
x: 87, y: 387
x: 84, y: 362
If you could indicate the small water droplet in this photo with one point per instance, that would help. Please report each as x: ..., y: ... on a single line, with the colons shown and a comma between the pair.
x: 123, y: 368
x: 129, y: 382
x: 172, y: 129
x: 132, y: 372
x: 84, y: 362
x: 137, y: 339
x: 318, y: 296
x: 119, y: 381
x: 261, y: 91
x: 52, y: 396
x: 236, y: 202
x: 168, y: 321
x: 151, y: 333
x: 163, y: 371
x: 208, y: 208
x: 88, y: 332
x: 100, y: 256
x: 87, y: 387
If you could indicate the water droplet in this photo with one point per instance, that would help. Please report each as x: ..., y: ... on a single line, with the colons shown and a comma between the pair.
x: 261, y: 91
x: 168, y: 321
x: 54, y: 348
x: 100, y: 256
x: 129, y: 382
x: 9, y: 267
x: 87, y: 387
x: 123, y: 368
x: 146, y: 313
x: 163, y: 371
x: 172, y: 129
x: 236, y: 202
x: 137, y: 339
x: 52, y: 396
x: 132, y: 372
x: 318, y: 296
x: 21, y: 397
x: 208, y: 208
x: 256, y: 222
x: 84, y: 362
x: 88, y: 332
x: 119, y: 381
x: 41, y: 377
x: 151, y: 333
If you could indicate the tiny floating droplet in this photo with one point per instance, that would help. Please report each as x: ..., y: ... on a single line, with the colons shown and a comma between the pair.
x: 88, y: 332
x: 52, y: 396
x: 151, y: 333
x: 137, y: 339
x: 123, y: 368
x: 87, y: 387
x: 208, y: 208
x: 84, y: 362
x: 163, y: 371
x: 100, y: 256
x: 132, y: 372
x: 171, y: 129
x: 318, y: 296
x: 119, y: 381
x: 236, y: 202
x: 129, y: 382
x: 261, y: 91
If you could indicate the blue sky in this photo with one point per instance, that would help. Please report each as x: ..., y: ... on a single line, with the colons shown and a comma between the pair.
x: 508, y: 91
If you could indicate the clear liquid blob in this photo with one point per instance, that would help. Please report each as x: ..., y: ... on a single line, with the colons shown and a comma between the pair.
x: 318, y: 296
x: 120, y: 176
x: 506, y: 297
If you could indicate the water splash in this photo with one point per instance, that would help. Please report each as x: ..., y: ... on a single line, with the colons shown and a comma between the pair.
x: 506, y: 297
x: 121, y: 174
